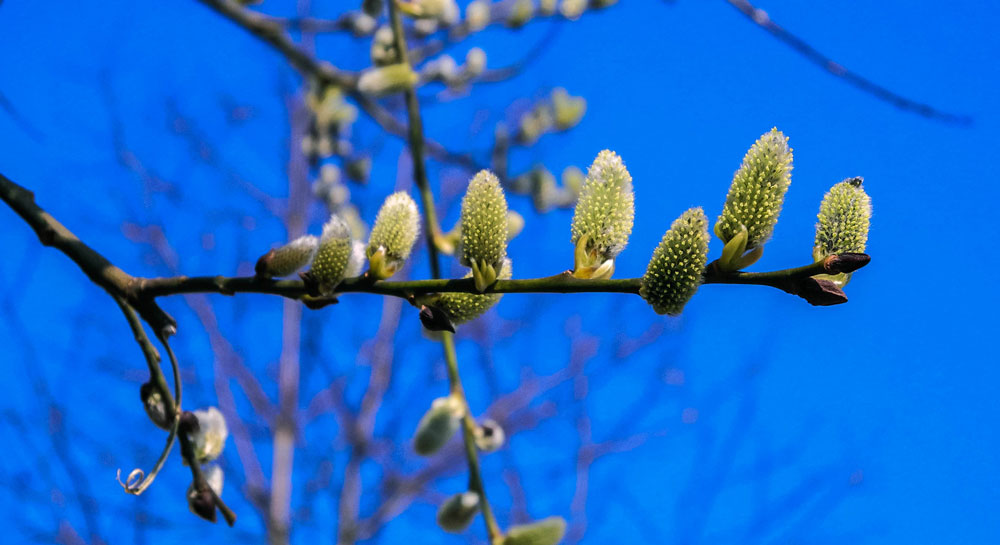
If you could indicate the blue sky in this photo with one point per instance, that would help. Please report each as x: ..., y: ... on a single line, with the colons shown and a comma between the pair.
x: 894, y: 392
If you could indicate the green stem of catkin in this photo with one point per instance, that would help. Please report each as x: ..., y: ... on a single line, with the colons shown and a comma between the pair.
x: 415, y: 138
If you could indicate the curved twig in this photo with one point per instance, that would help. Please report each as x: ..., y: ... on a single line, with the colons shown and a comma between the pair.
x: 138, y: 481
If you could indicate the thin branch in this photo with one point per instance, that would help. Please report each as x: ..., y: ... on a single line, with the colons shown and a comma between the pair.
x: 273, y: 33
x: 761, y: 19
x: 416, y: 145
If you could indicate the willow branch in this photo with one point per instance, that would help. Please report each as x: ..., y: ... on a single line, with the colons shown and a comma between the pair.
x: 98, y: 269
x: 787, y: 280
x: 761, y: 19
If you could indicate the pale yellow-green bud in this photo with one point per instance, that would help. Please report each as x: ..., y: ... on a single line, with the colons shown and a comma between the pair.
x: 332, y: 255
x: 384, y: 80
x: 463, y: 307
x: 383, y: 50
x: 547, y: 7
x: 477, y: 15
x: 572, y: 9
x: 842, y: 226
x: 475, y: 63
x: 457, y: 512
x: 572, y: 180
x: 330, y: 108
x: 210, y: 437
x: 397, y: 226
x: 602, y: 221
x: 548, y: 531
x: 438, y: 425
x: 429, y: 9
x: 755, y: 197
x: 484, y: 228
x: 515, y: 223
x: 567, y: 110
x: 287, y: 259
x: 520, y: 13
x: 675, y: 271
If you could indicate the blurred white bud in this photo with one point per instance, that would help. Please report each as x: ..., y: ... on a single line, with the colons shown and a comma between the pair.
x: 210, y: 437
x: 572, y: 9
x: 477, y: 15
x: 475, y: 62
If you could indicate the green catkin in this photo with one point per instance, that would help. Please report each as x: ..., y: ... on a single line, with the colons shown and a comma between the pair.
x: 483, y: 243
x: 678, y: 263
x: 396, y: 228
x: 842, y: 224
x: 843, y: 220
x: 457, y: 512
x: 756, y: 195
x: 463, y: 307
x: 602, y: 220
x: 548, y: 531
x: 333, y: 255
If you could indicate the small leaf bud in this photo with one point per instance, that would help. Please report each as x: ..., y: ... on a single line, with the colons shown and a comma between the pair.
x: 438, y: 425
x: 155, y: 407
x: 457, y: 512
x: 678, y: 263
x: 548, y: 531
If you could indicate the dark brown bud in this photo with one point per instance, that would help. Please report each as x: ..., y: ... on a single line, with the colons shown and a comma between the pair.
x: 435, y: 319
x: 261, y: 267
x: 820, y: 292
x: 845, y: 262
x: 202, y: 503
